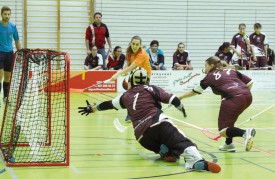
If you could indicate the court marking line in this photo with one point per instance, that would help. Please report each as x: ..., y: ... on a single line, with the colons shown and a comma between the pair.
x: 157, y: 176
x: 12, y: 174
x: 214, y: 159
x: 74, y: 169
x: 256, y: 148
x: 266, y: 130
x: 258, y: 165
x: 143, y: 155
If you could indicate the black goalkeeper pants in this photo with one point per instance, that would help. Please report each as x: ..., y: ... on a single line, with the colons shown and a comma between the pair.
x: 168, y: 134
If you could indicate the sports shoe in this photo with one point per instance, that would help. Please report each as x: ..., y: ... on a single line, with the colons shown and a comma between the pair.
x: 228, y: 148
x: 128, y: 118
x: 208, y: 166
x: 248, y: 138
x: 166, y: 155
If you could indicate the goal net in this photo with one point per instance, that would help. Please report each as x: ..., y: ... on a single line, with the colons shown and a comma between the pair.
x: 35, y: 125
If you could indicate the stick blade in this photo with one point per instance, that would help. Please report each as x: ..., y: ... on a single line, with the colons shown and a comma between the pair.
x: 119, y: 126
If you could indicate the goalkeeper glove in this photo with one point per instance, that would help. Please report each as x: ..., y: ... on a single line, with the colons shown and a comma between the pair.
x: 181, y: 108
x: 86, y: 110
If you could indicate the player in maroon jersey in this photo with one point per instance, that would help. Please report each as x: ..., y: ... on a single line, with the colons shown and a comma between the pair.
x: 181, y: 58
x: 234, y: 89
x: 153, y: 130
x: 224, y: 52
x: 259, y: 44
x: 241, y: 47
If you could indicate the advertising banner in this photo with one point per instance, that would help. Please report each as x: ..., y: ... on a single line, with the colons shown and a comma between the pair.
x: 182, y: 81
x: 92, y: 81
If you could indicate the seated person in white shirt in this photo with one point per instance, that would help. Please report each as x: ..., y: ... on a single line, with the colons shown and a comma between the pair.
x: 94, y: 61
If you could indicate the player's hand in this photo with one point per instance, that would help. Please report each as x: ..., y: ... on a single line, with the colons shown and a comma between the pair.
x: 89, y: 52
x: 254, y: 58
x: 181, y: 108
x: 114, y: 77
x: 86, y: 110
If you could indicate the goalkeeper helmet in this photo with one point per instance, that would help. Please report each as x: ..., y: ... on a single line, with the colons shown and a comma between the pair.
x: 139, y: 76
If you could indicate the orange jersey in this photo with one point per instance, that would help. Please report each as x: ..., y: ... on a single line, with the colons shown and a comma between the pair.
x: 142, y: 60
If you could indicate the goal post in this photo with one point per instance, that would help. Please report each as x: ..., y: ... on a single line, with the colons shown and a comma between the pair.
x: 35, y: 125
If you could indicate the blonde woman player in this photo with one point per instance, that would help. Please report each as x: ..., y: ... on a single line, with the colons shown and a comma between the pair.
x: 136, y: 56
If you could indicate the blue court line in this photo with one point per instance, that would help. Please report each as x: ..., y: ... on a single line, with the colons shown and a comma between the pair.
x: 74, y: 169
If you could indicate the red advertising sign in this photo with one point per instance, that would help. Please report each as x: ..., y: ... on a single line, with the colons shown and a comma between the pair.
x: 92, y: 81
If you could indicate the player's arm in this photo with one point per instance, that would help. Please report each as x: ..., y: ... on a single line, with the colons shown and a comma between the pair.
x: 176, y: 102
x: 100, y: 62
x: 125, y: 71
x: 265, y: 51
x: 189, y: 64
x: 106, y: 105
x: 187, y: 95
x: 87, y: 40
x: 17, y: 44
x: 110, y: 44
x: 96, y: 68
x: 86, y: 67
x: 232, y: 47
x: 162, y: 96
x: 197, y: 90
x: 253, y: 52
x: 248, y: 81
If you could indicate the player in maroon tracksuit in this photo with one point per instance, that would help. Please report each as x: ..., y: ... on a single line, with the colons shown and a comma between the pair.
x: 241, y: 47
x: 153, y: 130
x: 181, y: 58
x: 234, y: 89
x: 224, y: 52
x: 259, y: 46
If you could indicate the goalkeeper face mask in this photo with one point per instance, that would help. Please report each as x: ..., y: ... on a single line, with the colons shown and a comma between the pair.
x: 138, y: 77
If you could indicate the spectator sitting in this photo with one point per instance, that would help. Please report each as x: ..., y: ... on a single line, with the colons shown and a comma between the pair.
x: 181, y: 58
x: 116, y: 59
x: 156, y: 56
x: 224, y: 52
x: 93, y: 61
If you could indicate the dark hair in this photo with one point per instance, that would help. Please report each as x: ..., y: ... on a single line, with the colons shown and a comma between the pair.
x: 129, y: 49
x: 181, y: 43
x: 217, y: 62
x: 5, y: 8
x: 257, y: 26
x: 117, y: 47
x: 242, y: 24
x: 154, y: 42
x: 97, y: 13
x: 92, y: 46
x: 224, y: 45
